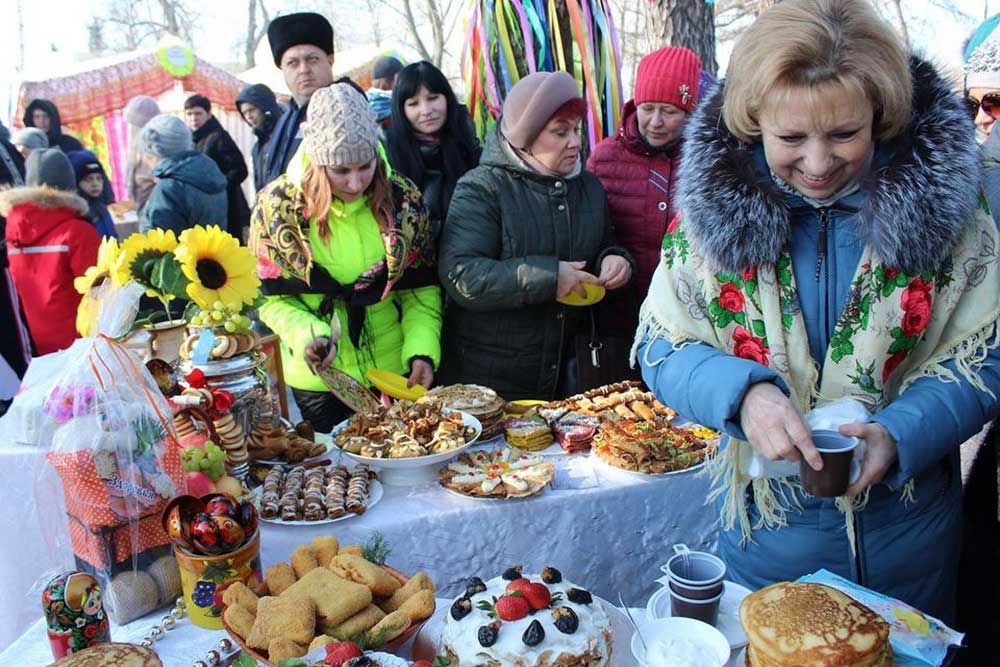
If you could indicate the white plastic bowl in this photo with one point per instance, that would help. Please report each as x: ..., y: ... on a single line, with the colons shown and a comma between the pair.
x: 689, y: 630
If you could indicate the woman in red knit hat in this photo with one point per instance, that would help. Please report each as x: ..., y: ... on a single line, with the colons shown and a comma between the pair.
x: 638, y: 166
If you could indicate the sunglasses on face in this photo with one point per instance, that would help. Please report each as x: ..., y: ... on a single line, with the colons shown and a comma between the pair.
x: 990, y: 104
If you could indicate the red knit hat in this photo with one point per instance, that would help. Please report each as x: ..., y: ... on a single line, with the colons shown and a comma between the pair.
x: 669, y: 76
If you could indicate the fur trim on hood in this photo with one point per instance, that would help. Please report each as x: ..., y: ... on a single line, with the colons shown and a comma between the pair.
x: 916, y: 207
x: 42, y: 196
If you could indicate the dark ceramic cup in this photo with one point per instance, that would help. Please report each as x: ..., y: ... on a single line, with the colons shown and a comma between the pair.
x: 697, y: 592
x: 706, y: 610
x: 837, y: 451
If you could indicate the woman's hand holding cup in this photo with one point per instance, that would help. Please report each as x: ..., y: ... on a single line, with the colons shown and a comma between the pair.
x: 880, y: 454
x: 774, y: 428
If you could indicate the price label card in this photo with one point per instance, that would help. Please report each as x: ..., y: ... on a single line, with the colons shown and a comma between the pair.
x: 203, y: 348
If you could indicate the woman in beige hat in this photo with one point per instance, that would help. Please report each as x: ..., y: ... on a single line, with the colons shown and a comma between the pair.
x: 526, y: 226
x: 343, y: 244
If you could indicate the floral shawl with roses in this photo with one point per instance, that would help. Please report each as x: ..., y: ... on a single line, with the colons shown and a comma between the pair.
x: 725, y: 279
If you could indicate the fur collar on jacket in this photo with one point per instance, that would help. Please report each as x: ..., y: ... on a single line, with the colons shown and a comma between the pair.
x: 916, y: 204
x: 42, y: 196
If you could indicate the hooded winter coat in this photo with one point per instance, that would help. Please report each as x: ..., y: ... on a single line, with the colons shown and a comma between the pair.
x: 98, y: 213
x: 507, y: 229
x: 55, y: 133
x: 213, y: 140
x: 261, y: 97
x: 912, y: 204
x: 49, y: 243
x: 190, y: 191
x: 640, y: 182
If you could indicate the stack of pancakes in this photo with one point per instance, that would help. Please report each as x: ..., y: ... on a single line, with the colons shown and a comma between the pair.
x: 811, y: 625
x: 528, y: 433
x: 481, y: 402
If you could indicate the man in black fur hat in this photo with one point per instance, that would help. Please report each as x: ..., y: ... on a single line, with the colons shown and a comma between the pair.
x: 302, y: 46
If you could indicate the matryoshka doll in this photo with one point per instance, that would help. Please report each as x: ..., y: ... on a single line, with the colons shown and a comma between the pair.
x: 74, y: 613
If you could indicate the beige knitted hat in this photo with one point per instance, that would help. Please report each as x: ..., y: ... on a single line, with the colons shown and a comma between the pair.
x: 341, y: 128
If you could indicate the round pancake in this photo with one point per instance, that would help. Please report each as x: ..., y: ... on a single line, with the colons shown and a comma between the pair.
x: 811, y: 625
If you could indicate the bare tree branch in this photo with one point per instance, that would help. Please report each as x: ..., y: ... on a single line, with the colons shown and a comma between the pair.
x: 412, y: 24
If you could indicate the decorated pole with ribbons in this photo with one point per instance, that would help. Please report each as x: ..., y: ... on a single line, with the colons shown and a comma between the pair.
x: 508, y: 39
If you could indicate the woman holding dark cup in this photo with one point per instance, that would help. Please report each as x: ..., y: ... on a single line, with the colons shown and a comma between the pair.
x: 831, y: 244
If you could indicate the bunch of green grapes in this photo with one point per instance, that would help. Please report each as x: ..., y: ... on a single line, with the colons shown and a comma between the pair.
x: 211, y: 460
x: 223, y: 315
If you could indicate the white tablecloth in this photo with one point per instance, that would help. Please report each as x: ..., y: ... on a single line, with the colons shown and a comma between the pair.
x: 613, y: 534
x: 185, y: 644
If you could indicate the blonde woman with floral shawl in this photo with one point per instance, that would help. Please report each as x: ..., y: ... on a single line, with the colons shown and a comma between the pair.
x: 831, y: 243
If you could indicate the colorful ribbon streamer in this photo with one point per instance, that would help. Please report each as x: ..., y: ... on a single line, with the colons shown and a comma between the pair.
x: 508, y: 39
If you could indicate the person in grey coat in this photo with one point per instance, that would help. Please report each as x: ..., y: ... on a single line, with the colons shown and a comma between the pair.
x: 190, y: 189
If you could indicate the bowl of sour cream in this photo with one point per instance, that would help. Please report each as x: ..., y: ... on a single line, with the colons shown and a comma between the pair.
x: 680, y: 642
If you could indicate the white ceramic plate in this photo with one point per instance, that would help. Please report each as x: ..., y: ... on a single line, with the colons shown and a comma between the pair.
x: 374, y: 496
x: 425, y: 645
x: 658, y: 606
x: 636, y: 473
x: 417, y: 470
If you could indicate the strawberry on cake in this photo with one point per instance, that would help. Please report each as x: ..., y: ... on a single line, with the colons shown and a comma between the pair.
x: 519, y: 620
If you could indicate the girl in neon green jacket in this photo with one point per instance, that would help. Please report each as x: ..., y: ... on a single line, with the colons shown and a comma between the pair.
x: 341, y: 239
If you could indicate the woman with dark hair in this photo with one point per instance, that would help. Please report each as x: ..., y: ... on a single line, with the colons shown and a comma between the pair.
x: 431, y: 139
x: 343, y: 244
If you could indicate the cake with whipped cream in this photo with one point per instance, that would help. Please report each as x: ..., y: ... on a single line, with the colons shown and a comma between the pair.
x: 526, y: 620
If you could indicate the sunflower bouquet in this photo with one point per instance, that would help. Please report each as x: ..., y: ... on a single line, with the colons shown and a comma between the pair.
x: 205, y: 266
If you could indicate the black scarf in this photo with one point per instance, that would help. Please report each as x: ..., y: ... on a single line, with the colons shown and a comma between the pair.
x: 356, y: 296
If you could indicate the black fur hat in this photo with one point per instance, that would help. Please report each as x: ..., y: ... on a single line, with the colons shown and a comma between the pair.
x: 290, y: 30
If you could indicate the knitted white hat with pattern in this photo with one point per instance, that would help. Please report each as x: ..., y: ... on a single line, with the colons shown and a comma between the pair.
x: 341, y: 128
x: 982, y: 70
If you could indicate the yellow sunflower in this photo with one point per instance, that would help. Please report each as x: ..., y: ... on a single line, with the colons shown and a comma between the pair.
x: 138, y: 249
x: 107, y: 256
x: 217, y: 266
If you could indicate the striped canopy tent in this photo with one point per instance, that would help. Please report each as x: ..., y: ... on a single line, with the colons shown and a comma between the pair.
x: 91, y: 100
x: 509, y: 39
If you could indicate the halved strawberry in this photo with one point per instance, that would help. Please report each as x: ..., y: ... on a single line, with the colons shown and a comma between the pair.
x: 518, y: 585
x: 538, y: 596
x: 513, y: 607
x: 337, y: 653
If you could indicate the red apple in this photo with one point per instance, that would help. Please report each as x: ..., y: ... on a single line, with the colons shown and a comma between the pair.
x: 199, y: 484
x: 196, y: 440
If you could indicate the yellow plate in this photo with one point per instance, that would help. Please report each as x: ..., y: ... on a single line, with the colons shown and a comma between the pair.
x: 529, y: 402
x: 594, y: 294
x: 394, y: 385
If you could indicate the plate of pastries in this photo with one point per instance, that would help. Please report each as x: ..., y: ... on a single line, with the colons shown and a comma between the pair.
x: 303, y: 496
x: 405, y: 432
x: 327, y: 592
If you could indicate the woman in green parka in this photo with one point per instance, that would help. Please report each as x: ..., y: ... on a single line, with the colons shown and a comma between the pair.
x: 526, y: 226
x: 340, y: 239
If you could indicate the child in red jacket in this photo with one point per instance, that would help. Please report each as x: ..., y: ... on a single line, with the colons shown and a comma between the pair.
x: 49, y: 243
